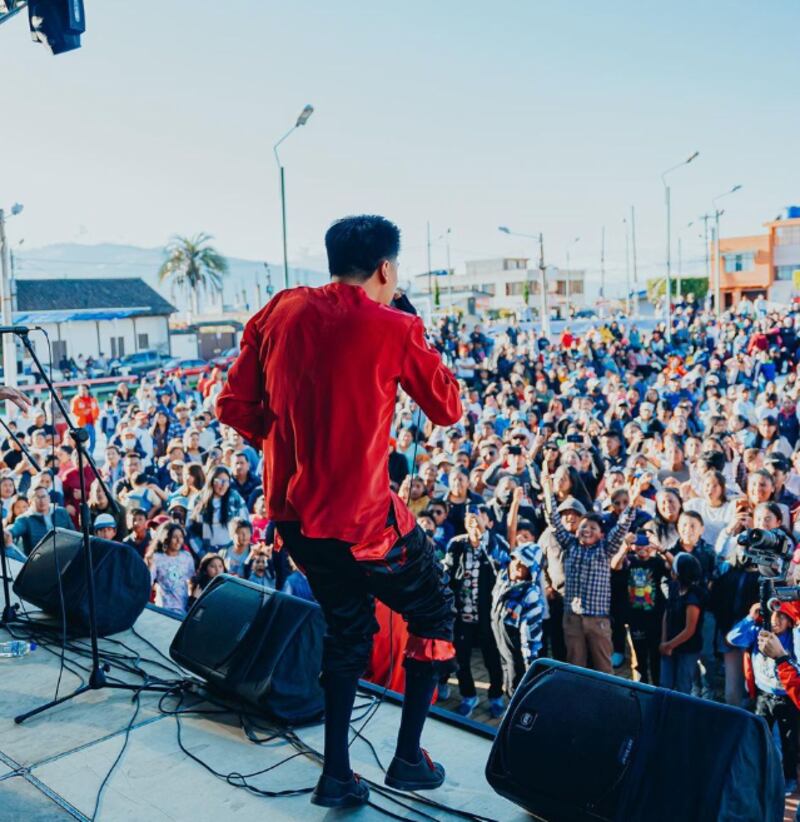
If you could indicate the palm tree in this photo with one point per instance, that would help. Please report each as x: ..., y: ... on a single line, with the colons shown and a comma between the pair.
x: 193, y: 265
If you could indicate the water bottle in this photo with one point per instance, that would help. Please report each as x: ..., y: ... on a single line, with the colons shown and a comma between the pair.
x: 15, y: 648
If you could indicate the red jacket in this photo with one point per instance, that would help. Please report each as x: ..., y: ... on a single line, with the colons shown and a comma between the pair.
x: 316, y: 383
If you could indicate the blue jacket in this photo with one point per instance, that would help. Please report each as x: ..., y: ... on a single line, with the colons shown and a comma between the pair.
x: 744, y: 634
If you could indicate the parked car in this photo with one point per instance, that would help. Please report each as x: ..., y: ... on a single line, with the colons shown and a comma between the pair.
x: 139, y: 364
x: 226, y: 358
x: 188, y: 367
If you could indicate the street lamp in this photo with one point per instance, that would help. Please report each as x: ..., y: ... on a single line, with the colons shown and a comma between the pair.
x: 542, y: 275
x: 302, y: 119
x: 717, y: 253
x: 9, y: 343
x: 669, y: 239
x: 568, y: 293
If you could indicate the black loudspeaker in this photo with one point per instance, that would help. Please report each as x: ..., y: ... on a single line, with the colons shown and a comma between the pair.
x: 576, y: 745
x: 121, y: 582
x: 257, y: 646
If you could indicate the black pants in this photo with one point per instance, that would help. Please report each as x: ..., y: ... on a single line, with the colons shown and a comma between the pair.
x: 407, y: 579
x: 553, y: 630
x: 781, y: 709
x: 646, y: 637
x: 467, y: 636
x: 509, y: 644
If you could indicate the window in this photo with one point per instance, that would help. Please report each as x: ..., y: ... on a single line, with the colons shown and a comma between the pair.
x: 144, y: 341
x: 786, y: 272
x: 790, y: 235
x: 117, y: 347
x: 489, y: 288
x: 515, y: 289
x: 739, y: 262
x: 576, y: 287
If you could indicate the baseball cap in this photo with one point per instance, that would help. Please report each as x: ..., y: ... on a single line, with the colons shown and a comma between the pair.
x: 178, y: 501
x: 104, y: 521
x: 441, y: 459
x: 571, y: 504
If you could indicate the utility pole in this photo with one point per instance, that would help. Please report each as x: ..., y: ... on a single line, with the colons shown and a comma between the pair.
x: 543, y: 285
x: 602, y: 270
x: 9, y: 340
x: 635, y: 270
x: 430, y: 273
x: 705, y: 218
x: 627, y: 269
x: 680, y: 268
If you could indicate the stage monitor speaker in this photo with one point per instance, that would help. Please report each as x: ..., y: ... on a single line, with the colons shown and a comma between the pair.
x: 121, y: 582
x: 257, y: 646
x: 576, y: 745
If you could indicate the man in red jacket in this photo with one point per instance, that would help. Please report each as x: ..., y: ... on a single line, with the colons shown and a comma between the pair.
x: 316, y: 384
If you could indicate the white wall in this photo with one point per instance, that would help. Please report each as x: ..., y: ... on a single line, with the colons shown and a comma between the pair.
x: 81, y: 336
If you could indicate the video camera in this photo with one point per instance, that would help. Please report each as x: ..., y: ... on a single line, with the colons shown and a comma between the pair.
x: 771, y: 550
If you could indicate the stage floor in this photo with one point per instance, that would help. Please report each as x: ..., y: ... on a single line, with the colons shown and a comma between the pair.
x: 52, y: 766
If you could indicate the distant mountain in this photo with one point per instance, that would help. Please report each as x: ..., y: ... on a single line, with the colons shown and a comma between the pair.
x: 245, y: 288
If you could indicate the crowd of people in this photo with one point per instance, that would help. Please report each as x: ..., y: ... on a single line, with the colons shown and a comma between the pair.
x: 587, y: 506
x: 185, y: 493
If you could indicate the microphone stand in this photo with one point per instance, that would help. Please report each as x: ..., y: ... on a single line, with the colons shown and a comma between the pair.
x: 97, y: 676
x: 9, y: 610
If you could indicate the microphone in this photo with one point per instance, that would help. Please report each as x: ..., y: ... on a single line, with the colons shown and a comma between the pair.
x: 22, y: 330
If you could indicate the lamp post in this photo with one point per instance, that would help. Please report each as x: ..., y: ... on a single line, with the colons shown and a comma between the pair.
x: 568, y: 296
x: 717, y: 253
x: 301, y: 121
x: 668, y: 304
x: 543, y: 310
x: 6, y: 292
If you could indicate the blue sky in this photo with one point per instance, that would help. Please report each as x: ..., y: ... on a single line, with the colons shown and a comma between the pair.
x: 542, y: 116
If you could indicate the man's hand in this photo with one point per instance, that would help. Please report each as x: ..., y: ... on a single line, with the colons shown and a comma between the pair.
x: 518, y: 495
x: 770, y: 645
x: 17, y: 397
x: 665, y: 649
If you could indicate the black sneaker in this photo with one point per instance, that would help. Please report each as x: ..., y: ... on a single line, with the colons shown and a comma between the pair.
x: 334, y: 793
x: 424, y: 776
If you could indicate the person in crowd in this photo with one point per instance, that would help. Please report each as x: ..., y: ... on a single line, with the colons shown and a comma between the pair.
x: 472, y: 562
x: 85, y: 413
x: 171, y: 568
x: 587, y: 568
x: 682, y: 625
x: 259, y: 569
x: 210, y: 566
x: 646, y: 568
x: 237, y: 555
x: 139, y: 535
x: 27, y: 531
x: 105, y: 526
x: 217, y: 506
x: 763, y: 683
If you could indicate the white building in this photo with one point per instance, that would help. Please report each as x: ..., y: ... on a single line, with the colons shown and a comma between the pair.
x: 503, y: 280
x: 90, y: 316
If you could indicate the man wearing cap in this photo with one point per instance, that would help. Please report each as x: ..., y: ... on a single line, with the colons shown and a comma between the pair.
x: 315, y: 384
x: 571, y: 511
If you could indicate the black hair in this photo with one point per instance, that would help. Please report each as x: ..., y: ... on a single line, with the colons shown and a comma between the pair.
x: 693, y: 515
x: 687, y: 569
x: 356, y: 246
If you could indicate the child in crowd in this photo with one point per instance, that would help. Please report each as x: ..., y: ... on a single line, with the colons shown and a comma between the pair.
x: 763, y: 682
x: 682, y: 625
x: 258, y: 568
x: 238, y: 553
x: 646, y: 566
x: 519, y: 607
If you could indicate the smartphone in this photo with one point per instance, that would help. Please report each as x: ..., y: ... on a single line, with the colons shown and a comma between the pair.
x: 641, y: 539
x: 574, y: 438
